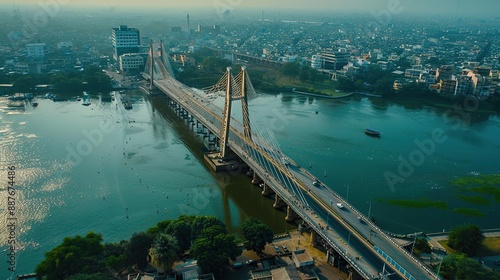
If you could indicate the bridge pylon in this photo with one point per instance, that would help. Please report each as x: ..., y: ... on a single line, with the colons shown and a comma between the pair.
x: 235, y: 89
x: 151, y: 65
x: 226, y: 119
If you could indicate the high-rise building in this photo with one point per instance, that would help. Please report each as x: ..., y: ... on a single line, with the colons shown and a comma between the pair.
x: 125, y: 40
x: 334, y: 60
x: 36, y: 50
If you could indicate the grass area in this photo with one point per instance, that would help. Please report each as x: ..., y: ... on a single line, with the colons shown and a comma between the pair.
x: 422, y: 203
x: 444, y: 243
x: 485, y: 184
x: 491, y: 247
x: 469, y: 212
x: 478, y: 200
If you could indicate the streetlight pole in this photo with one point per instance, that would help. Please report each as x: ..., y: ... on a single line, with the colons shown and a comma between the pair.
x: 439, y: 267
x: 414, y: 241
x: 369, y: 210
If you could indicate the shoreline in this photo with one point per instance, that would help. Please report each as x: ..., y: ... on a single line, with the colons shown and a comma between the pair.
x: 322, y: 95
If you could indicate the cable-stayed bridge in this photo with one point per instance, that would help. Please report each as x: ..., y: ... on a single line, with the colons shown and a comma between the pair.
x: 345, y: 233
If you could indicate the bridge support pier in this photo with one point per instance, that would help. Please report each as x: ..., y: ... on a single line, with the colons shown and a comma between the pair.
x: 314, y: 238
x: 278, y: 202
x: 290, y: 214
x: 256, y: 179
x: 266, y: 190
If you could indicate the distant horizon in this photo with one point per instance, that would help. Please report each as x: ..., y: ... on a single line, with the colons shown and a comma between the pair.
x: 448, y: 8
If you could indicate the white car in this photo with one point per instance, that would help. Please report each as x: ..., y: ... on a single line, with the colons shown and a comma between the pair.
x: 340, y: 205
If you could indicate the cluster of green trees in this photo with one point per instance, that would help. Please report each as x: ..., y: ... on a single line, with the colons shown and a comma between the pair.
x: 207, y: 72
x: 303, y: 72
x: 205, y: 236
x: 91, y: 79
x: 467, y: 240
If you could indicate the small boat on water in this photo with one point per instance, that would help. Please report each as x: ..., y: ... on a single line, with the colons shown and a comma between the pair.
x: 372, y: 132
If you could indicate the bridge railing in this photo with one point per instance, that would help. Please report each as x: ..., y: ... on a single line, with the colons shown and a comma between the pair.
x: 274, y: 184
x: 379, y: 230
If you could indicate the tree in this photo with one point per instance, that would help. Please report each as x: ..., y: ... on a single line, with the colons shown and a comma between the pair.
x: 213, y: 253
x: 24, y: 84
x: 204, y: 222
x: 466, y: 239
x: 257, y: 234
x: 95, y: 276
x: 114, y: 257
x: 459, y: 266
x: 422, y: 246
x: 181, y: 230
x: 290, y: 69
x: 137, y: 249
x: 74, y: 256
x: 164, y: 251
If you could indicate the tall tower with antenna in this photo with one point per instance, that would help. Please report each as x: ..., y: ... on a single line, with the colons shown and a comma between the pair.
x: 189, y: 28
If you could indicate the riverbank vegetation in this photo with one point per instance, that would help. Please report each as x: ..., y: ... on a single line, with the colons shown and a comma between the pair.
x: 87, y: 257
x: 300, y: 76
x: 459, y: 266
x: 463, y: 243
x: 90, y: 79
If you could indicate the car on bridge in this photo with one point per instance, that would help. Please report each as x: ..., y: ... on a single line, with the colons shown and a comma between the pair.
x: 316, y: 183
x: 340, y: 205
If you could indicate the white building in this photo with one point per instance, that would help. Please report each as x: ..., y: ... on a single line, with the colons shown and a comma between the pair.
x: 125, y: 40
x: 36, y: 50
x: 66, y: 45
x: 131, y: 62
x: 316, y: 61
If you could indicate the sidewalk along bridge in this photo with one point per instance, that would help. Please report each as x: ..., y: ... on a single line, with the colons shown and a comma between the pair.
x: 346, y: 234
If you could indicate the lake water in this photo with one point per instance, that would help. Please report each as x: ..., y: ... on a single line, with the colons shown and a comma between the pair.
x: 113, y: 171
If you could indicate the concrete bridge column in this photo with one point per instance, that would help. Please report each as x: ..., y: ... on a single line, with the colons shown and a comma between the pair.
x: 290, y: 214
x: 278, y: 202
x: 266, y: 190
x: 256, y: 179
x: 314, y: 237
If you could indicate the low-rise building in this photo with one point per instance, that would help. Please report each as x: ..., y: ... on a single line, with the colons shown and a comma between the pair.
x: 301, y: 258
x: 131, y: 63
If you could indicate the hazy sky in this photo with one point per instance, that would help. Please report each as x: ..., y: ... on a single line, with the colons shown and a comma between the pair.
x: 466, y: 7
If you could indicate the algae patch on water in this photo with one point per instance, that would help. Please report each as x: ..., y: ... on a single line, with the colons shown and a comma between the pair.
x: 478, y: 200
x: 483, y: 184
x: 422, y: 203
x: 469, y: 212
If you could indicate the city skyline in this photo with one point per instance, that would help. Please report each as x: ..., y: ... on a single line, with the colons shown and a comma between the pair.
x: 483, y: 8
